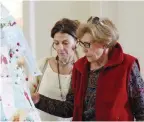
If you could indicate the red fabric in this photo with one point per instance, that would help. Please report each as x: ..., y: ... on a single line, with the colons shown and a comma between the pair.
x: 112, y: 97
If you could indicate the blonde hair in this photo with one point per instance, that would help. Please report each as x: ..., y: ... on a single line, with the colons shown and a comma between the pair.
x: 102, y: 31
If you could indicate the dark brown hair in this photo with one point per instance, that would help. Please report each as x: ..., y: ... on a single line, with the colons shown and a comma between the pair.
x: 65, y: 26
x: 68, y: 26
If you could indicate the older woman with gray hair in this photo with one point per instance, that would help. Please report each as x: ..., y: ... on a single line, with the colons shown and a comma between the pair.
x: 106, y: 82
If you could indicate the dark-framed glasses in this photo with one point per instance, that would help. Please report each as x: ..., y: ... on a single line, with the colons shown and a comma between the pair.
x: 84, y: 44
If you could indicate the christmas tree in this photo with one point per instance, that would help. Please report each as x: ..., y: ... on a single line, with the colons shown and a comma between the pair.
x: 15, y: 99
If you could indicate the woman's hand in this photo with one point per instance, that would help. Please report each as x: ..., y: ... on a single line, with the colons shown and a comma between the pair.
x: 35, y: 97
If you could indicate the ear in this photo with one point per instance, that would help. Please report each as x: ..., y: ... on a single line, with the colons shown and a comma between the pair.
x: 105, y: 46
x: 105, y: 51
x: 73, y: 47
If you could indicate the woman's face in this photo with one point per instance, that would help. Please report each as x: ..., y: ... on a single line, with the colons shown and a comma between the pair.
x: 64, y: 44
x: 93, y: 50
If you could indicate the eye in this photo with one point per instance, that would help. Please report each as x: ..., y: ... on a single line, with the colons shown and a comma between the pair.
x: 86, y: 44
x: 56, y: 43
x: 65, y: 43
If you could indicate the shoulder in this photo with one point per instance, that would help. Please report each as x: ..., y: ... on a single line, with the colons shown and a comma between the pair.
x: 80, y: 64
x: 132, y: 62
x: 131, y: 59
x: 41, y: 62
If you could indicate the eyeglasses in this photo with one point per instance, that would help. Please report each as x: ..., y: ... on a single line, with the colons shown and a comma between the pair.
x: 94, y: 20
x: 84, y: 44
x: 88, y: 45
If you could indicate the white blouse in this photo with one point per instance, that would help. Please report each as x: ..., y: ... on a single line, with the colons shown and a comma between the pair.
x: 49, y: 87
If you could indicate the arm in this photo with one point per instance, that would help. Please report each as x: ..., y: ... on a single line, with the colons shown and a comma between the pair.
x: 136, y: 93
x: 57, y: 107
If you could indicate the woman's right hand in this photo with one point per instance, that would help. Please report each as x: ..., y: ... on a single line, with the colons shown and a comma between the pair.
x: 35, y: 97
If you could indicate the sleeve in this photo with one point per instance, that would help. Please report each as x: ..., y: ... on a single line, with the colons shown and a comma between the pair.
x: 89, y: 115
x: 56, y: 107
x: 136, y: 92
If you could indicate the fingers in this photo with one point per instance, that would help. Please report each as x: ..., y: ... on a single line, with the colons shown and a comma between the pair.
x: 35, y: 98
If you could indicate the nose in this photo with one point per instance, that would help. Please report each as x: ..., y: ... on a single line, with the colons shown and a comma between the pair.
x: 60, y: 47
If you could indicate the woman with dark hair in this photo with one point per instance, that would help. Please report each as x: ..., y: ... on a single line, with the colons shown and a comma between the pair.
x: 55, y: 81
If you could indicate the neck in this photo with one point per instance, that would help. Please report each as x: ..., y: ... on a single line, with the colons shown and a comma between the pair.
x: 66, y: 61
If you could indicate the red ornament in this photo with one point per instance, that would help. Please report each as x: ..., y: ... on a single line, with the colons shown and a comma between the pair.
x: 26, y: 79
x: 26, y: 95
x: 3, y: 59
x: 35, y: 86
x: 11, y: 55
x: 18, y: 44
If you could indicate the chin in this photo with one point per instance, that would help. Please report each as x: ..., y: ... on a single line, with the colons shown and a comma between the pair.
x: 62, y: 56
x: 89, y: 59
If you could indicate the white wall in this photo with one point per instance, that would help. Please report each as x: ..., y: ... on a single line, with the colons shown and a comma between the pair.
x: 131, y: 29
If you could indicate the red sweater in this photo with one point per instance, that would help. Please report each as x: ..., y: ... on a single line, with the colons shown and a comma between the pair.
x: 112, y: 97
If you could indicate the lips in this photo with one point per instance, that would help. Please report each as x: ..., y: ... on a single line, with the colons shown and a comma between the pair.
x: 61, y: 53
x: 88, y: 56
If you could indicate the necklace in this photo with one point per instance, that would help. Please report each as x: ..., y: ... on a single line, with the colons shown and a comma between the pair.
x: 62, y: 96
x: 63, y: 64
